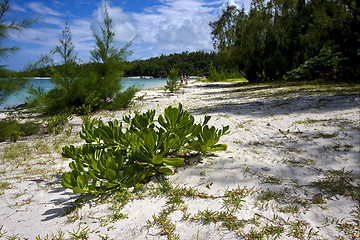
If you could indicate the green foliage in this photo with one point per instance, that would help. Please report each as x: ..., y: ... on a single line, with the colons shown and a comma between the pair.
x: 80, y: 233
x: 275, y: 36
x: 88, y: 106
x: 84, y: 88
x: 113, y: 159
x: 339, y: 182
x: 71, y: 88
x: 55, y: 124
x: 172, y: 83
x: 13, y: 130
x: 326, y: 65
x: 215, y: 76
x: 123, y: 99
x: 179, y: 122
x: 207, y: 139
x: 193, y: 64
x: 108, y: 60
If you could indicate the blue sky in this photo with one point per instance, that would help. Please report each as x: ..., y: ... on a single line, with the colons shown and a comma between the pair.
x: 161, y: 26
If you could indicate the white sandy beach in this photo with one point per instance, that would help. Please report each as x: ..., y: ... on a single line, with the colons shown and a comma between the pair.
x: 282, y: 139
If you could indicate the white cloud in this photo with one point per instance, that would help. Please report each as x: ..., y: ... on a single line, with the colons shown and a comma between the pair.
x: 178, y: 26
x: 17, y: 7
x: 39, y: 36
x: 53, y: 20
x: 233, y: 3
x: 173, y: 26
x: 82, y: 35
x: 124, y: 24
x: 39, y: 7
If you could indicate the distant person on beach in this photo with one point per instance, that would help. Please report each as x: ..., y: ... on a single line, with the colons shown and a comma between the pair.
x: 181, y: 79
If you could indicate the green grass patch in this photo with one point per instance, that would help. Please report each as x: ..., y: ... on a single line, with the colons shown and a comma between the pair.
x: 13, y: 130
x: 240, y: 80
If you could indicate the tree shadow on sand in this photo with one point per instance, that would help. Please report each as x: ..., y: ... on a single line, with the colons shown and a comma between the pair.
x: 270, y: 100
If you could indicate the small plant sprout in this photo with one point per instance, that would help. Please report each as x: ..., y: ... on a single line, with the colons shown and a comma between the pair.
x: 81, y: 234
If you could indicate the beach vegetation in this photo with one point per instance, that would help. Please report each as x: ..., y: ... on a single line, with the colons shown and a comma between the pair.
x: 339, y: 182
x: 5, y: 185
x: 107, y: 68
x: 113, y: 159
x: 59, y: 236
x: 172, y: 82
x: 216, y: 75
x: 118, y: 201
x: 83, y: 89
x: 207, y: 139
x: 175, y: 202
x: 325, y: 65
x: 14, y: 130
x: 233, y: 198
x: 56, y: 123
x: 80, y: 233
x: 2, y: 232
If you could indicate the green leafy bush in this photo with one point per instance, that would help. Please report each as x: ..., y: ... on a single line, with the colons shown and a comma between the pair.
x: 326, y: 65
x: 91, y: 102
x: 123, y: 99
x: 207, y: 139
x: 56, y: 123
x: 113, y: 157
x: 13, y: 130
x: 215, y: 76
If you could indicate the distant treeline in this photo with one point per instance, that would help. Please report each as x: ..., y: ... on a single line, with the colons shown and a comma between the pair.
x: 193, y: 63
x: 187, y: 63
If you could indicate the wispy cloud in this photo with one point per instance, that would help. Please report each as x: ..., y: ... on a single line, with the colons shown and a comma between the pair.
x: 82, y: 35
x: 52, y: 20
x: 17, y: 7
x: 39, y: 7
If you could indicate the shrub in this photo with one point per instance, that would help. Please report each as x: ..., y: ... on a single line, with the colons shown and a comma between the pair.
x: 215, y: 76
x: 112, y: 159
x: 89, y: 105
x: 13, y: 130
x: 55, y: 124
x: 123, y: 99
x: 326, y: 65
x: 172, y: 83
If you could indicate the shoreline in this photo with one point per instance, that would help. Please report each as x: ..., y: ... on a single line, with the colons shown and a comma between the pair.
x: 281, y: 141
x: 11, y: 106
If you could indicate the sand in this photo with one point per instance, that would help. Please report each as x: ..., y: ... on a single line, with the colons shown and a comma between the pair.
x: 282, y: 139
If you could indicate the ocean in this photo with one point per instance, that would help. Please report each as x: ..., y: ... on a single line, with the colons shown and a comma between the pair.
x: 45, y: 83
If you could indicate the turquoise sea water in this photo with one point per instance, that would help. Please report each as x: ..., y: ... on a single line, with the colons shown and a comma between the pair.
x: 46, y: 84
